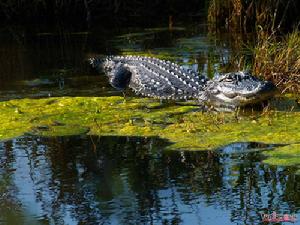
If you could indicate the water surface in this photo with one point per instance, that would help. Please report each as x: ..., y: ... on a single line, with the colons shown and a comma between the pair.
x: 126, y: 180
x: 131, y: 180
x: 39, y: 64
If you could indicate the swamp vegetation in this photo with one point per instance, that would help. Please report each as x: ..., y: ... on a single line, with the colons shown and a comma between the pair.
x: 182, y: 125
x: 276, y: 45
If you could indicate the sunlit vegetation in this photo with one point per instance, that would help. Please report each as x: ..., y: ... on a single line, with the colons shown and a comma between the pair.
x: 276, y: 46
x: 185, y: 126
x: 278, y: 59
x: 246, y: 16
x: 284, y: 156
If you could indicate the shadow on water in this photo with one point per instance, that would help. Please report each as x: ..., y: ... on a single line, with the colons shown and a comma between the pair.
x: 36, y: 63
x: 132, y: 180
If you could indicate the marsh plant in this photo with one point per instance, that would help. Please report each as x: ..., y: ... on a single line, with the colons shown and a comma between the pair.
x: 274, y: 25
x: 246, y: 15
x: 278, y: 59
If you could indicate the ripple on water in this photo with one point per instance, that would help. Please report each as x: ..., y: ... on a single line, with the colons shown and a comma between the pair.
x: 118, y: 179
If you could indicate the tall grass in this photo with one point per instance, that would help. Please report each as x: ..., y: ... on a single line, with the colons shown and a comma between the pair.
x: 276, y: 56
x: 246, y: 15
x: 278, y: 59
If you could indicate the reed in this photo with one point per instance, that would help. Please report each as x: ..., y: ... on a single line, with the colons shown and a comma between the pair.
x: 245, y: 16
x: 278, y: 59
x: 276, y: 49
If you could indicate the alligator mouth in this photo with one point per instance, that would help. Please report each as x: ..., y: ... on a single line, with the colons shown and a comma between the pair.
x: 262, y: 93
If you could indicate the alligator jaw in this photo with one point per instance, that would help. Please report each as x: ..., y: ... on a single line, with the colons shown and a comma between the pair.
x: 244, y: 89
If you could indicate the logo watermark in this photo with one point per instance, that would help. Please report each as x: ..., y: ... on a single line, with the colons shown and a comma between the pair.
x: 275, y: 218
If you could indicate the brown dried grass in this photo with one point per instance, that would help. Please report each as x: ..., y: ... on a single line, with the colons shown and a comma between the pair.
x: 278, y: 59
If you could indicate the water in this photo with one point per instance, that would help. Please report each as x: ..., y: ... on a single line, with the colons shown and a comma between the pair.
x: 125, y: 180
x: 40, y: 64
x: 131, y: 180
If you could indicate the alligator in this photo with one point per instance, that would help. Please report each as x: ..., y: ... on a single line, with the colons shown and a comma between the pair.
x: 163, y: 79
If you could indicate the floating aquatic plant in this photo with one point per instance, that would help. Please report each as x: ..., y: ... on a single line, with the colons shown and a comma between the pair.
x: 285, y: 156
x: 184, y: 125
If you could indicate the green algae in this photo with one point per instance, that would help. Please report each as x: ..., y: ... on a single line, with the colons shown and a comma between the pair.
x: 165, y: 55
x: 184, y: 125
x: 284, y: 156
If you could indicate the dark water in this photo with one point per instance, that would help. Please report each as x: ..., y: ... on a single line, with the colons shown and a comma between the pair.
x: 120, y: 180
x: 38, y: 63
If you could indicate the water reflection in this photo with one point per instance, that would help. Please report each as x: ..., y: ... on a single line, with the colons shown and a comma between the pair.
x: 53, y: 63
x: 121, y: 180
x: 34, y: 64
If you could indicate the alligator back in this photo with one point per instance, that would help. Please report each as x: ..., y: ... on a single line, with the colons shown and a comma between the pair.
x: 151, y: 77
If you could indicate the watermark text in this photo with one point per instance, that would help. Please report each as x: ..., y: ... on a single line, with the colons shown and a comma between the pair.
x: 275, y: 218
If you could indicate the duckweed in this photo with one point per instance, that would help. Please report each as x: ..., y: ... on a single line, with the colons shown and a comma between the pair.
x: 284, y: 156
x: 184, y: 125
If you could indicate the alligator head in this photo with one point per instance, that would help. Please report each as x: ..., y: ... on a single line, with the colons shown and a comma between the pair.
x: 237, y: 89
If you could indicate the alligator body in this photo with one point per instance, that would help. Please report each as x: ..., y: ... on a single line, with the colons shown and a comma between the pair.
x: 166, y: 80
